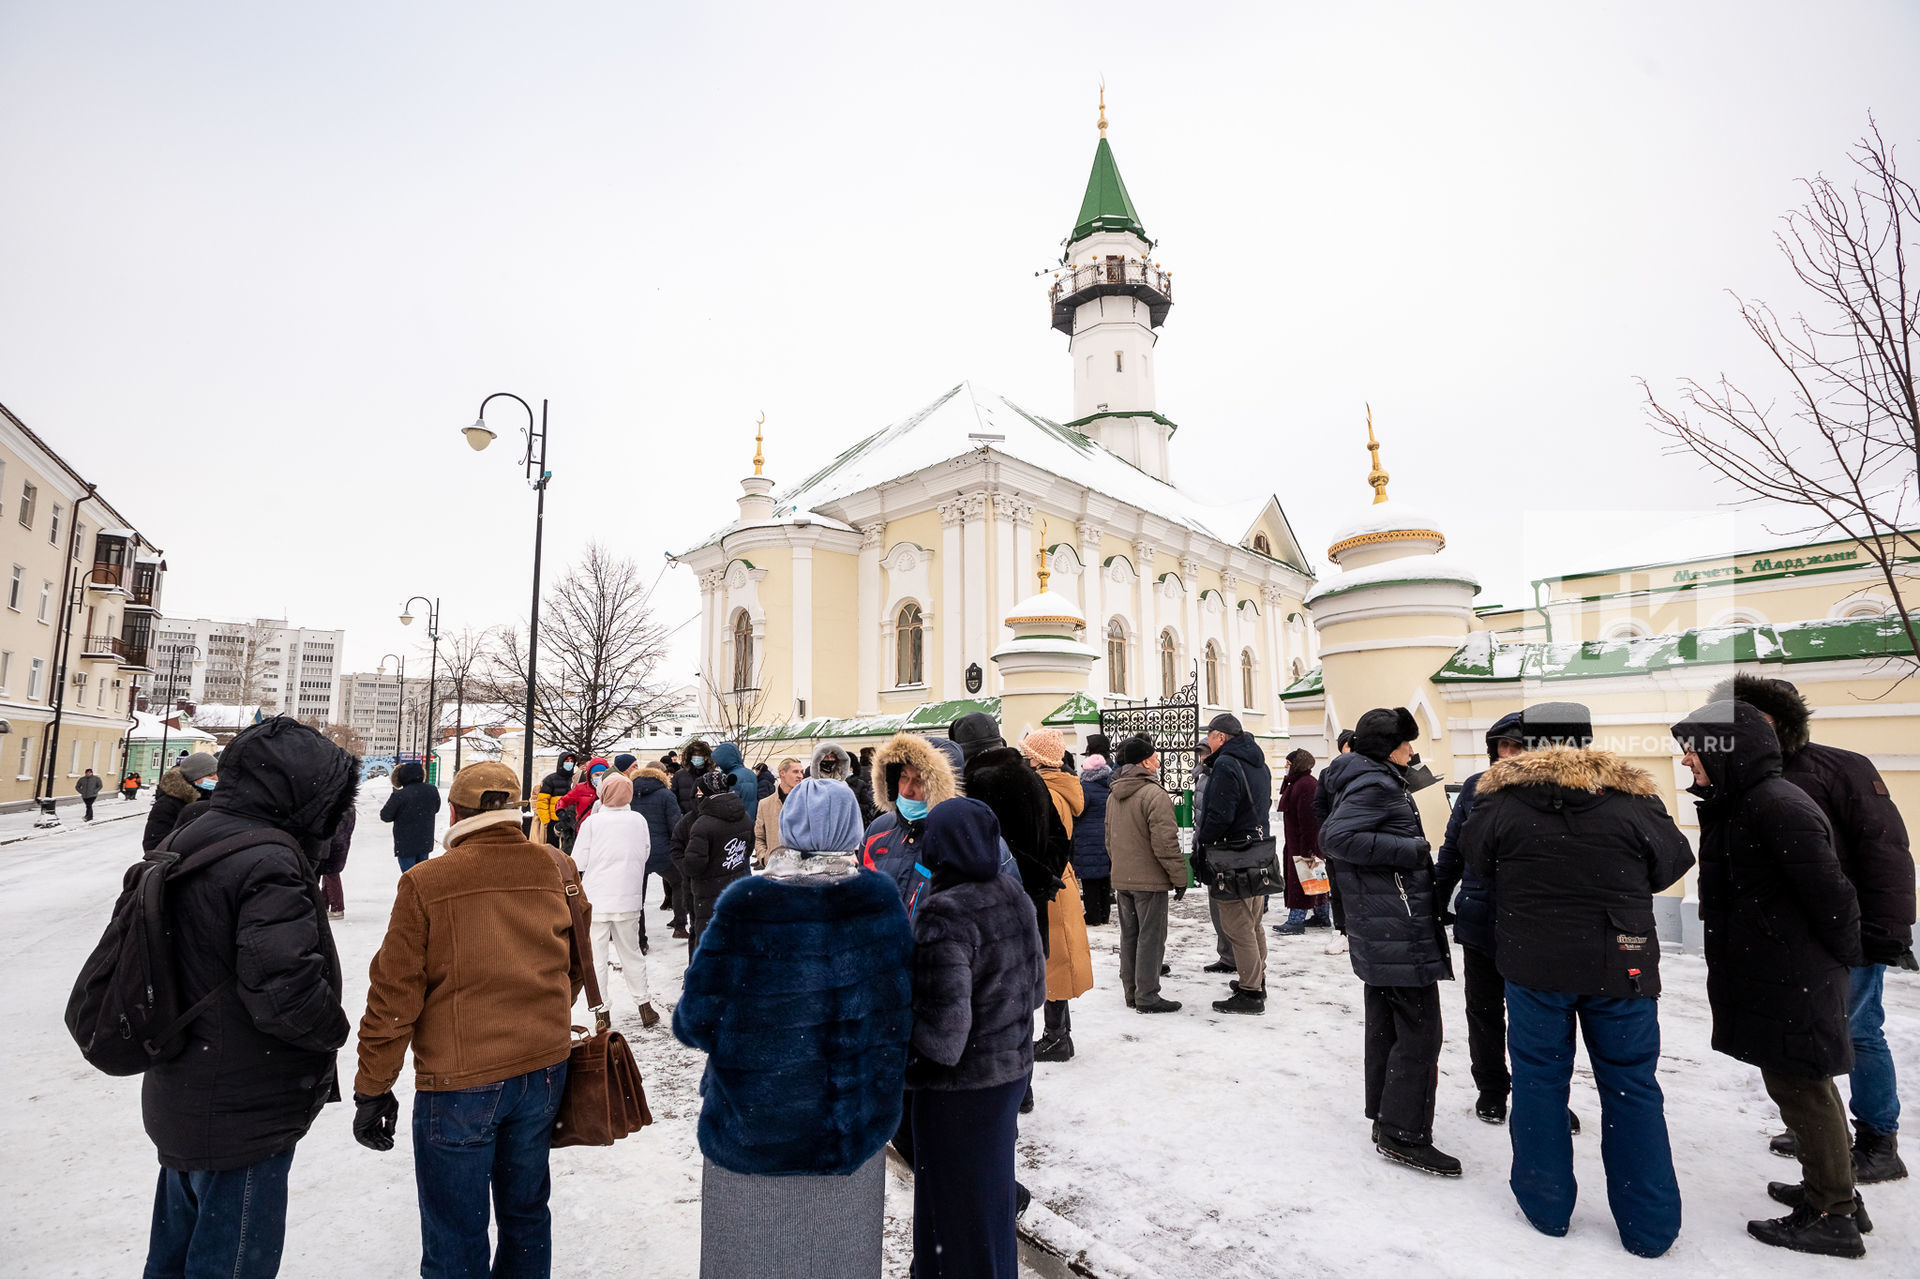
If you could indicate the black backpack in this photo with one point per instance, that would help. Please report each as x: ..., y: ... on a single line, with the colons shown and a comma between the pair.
x: 125, y: 1008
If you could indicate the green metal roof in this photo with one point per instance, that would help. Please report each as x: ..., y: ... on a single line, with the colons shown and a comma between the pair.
x: 1308, y: 685
x: 1107, y: 206
x: 1485, y: 660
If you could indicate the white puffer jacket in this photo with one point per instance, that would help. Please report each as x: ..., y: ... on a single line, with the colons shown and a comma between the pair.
x: 611, y: 853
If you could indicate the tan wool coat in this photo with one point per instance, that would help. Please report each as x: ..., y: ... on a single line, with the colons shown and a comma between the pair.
x: 1069, y: 957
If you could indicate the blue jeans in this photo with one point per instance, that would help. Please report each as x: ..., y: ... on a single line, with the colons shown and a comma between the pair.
x: 409, y: 860
x: 1623, y: 1046
x: 1874, y: 1100
x: 475, y: 1140
x: 220, y: 1225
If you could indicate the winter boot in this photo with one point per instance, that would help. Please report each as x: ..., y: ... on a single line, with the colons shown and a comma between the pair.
x: 1026, y: 1104
x: 1784, y: 1145
x: 1022, y: 1198
x: 1319, y: 921
x: 1129, y: 995
x: 680, y: 934
x: 1292, y: 928
x: 1166, y: 970
x: 1491, y: 1108
x: 1573, y: 1123
x: 1808, y: 1229
x: 1251, y: 1002
x: 1876, y: 1156
x: 336, y: 914
x: 648, y: 1017
x: 1337, y: 944
x: 1423, y: 1156
x: 1157, y: 1005
x: 1054, y: 1047
x: 1219, y: 966
x: 1794, y: 1193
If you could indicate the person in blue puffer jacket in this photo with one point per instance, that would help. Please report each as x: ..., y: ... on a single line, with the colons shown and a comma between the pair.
x: 727, y: 758
x: 1472, y: 918
x: 1090, y: 864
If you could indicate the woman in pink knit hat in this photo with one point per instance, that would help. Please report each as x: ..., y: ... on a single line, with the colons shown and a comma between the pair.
x: 1069, y: 958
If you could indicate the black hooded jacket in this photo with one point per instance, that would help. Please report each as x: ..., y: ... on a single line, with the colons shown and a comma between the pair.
x: 1239, y: 793
x: 1868, y: 833
x: 1001, y: 778
x: 258, y: 1066
x: 718, y: 848
x: 1781, y: 918
x: 1382, y: 875
x: 411, y: 808
x: 1572, y: 844
x: 171, y: 799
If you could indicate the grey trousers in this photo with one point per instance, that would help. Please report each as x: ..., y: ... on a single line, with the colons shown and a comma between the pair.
x: 1222, y: 944
x: 1241, y: 920
x: 1143, y: 942
x: 805, y: 1227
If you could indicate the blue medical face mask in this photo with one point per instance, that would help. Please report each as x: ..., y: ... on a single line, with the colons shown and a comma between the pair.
x: 913, y: 810
x: 207, y: 784
x: 697, y: 761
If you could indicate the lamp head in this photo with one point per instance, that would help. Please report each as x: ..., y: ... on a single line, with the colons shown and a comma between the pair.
x: 406, y: 619
x: 478, y: 436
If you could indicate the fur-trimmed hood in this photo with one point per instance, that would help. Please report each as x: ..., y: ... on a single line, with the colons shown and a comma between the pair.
x: 830, y: 762
x: 1589, y: 770
x: 174, y: 783
x: 1778, y: 700
x: 936, y: 772
x: 656, y: 774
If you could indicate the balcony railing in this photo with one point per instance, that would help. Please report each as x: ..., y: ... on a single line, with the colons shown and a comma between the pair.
x: 1114, y: 277
x: 129, y: 653
x: 109, y: 577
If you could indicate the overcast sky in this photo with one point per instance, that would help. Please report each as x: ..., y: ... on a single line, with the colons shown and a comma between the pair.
x: 258, y: 263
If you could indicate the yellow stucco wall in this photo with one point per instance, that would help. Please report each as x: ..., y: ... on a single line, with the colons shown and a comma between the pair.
x: 836, y: 597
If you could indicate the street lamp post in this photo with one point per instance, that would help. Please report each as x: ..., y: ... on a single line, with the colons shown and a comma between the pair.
x: 433, y: 670
x: 399, y: 703
x: 173, y: 680
x: 478, y: 437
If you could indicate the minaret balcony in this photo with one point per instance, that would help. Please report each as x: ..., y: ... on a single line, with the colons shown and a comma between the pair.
x: 1115, y: 277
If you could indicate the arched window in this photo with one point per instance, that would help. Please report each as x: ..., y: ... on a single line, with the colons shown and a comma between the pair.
x: 1169, y: 676
x: 1213, y: 674
x: 1628, y: 628
x: 742, y: 651
x: 1117, y: 657
x: 909, y: 646
x: 1865, y: 608
x: 1299, y: 669
x: 1246, y: 677
x: 1262, y: 545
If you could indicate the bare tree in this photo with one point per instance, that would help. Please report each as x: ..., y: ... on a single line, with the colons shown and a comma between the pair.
x: 1842, y: 442
x: 736, y: 712
x: 239, y: 657
x: 346, y: 737
x: 600, y: 655
x: 463, y: 672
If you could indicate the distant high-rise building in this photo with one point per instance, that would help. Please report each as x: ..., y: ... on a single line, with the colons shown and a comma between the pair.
x: 265, y: 663
x: 370, y: 706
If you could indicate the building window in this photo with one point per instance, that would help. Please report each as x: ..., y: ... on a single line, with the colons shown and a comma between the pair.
x: 1262, y: 545
x: 46, y: 599
x: 1213, y: 674
x: 1169, y: 676
x: 1117, y: 657
x: 73, y: 765
x: 26, y: 753
x: 29, y: 495
x: 53, y: 525
x: 742, y: 651
x: 909, y: 646
x: 1118, y: 364
x: 35, y: 674
x: 1299, y: 670
x: 1246, y: 678
x: 1628, y: 629
x: 16, y: 587
x: 79, y: 538
x: 1864, y: 609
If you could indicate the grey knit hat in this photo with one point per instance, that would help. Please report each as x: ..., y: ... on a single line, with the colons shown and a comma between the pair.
x: 198, y: 765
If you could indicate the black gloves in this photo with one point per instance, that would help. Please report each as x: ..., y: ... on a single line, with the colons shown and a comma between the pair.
x: 1179, y: 892
x: 374, y: 1119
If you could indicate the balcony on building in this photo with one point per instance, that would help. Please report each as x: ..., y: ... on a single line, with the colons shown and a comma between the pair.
x: 136, y: 642
x: 102, y: 648
x: 144, y: 591
x: 112, y: 571
x: 1115, y: 277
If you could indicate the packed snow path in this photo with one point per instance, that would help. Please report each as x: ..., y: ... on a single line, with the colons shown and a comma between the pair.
x: 1189, y: 1145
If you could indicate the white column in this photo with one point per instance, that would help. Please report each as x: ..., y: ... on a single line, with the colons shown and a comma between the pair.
x: 710, y: 621
x: 1092, y: 603
x: 802, y: 629
x: 953, y: 660
x: 1025, y: 566
x: 1148, y: 657
x: 1230, y: 660
x: 1275, y: 665
x: 973, y: 572
x: 1009, y: 589
x: 1196, y: 642
x: 867, y: 608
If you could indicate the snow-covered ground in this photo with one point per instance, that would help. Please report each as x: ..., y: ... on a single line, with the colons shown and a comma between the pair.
x: 1185, y: 1145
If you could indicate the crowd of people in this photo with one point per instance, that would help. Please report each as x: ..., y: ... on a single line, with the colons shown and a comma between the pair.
x: 868, y: 940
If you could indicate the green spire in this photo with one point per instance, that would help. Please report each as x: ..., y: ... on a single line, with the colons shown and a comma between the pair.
x: 1107, y: 206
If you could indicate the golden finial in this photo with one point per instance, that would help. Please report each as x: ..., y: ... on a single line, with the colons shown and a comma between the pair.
x: 1376, y: 476
x: 1103, y: 108
x: 1045, y: 576
x: 759, y: 459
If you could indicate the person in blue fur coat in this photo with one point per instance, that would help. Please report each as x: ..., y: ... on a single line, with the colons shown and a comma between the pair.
x: 801, y: 996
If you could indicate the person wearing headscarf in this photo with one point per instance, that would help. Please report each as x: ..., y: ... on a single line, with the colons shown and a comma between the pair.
x: 611, y: 852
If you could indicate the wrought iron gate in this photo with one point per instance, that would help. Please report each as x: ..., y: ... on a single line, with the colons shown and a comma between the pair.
x: 1174, y: 726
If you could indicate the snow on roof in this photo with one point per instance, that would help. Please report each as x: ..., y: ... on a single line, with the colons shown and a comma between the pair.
x: 147, y: 726
x: 1414, y: 568
x: 1387, y: 517
x: 1048, y: 604
x: 1484, y: 658
x: 941, y: 431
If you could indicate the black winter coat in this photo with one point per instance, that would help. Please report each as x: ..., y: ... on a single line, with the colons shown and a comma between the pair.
x: 411, y: 808
x: 334, y: 860
x: 686, y: 788
x: 1382, y: 874
x: 718, y: 848
x: 1781, y: 918
x: 259, y: 1065
x: 1239, y: 793
x: 1870, y: 839
x: 653, y: 799
x: 1001, y: 778
x: 172, y: 797
x: 1090, y: 859
x: 1573, y: 844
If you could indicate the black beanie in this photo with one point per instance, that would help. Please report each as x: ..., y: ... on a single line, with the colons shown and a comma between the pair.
x: 1380, y: 732
x: 1097, y: 744
x: 1556, y: 724
x: 1134, y: 750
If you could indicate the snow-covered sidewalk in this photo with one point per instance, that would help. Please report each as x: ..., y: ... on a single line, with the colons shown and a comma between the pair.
x: 1186, y: 1145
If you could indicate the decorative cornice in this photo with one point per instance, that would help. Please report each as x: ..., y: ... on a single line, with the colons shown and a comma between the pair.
x: 1017, y: 510
x: 1230, y: 583
x: 1143, y: 553
x: 1190, y: 571
x: 1273, y: 596
x: 1390, y: 535
x: 871, y: 534
x: 1089, y: 533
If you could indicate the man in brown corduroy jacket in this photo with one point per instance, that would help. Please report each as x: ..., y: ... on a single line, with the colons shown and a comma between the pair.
x: 477, y: 973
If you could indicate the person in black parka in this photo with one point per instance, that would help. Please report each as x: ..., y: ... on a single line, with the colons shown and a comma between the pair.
x: 1377, y: 853
x: 718, y: 848
x: 179, y: 789
x: 1091, y: 865
x: 1000, y: 777
x: 411, y: 809
x: 1782, y: 926
x: 256, y: 1068
x: 686, y: 781
x: 653, y: 799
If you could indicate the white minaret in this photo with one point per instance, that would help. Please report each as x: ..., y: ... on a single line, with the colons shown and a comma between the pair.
x: 1109, y: 297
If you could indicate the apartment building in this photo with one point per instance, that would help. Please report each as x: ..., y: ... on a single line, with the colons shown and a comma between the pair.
x: 281, y: 668
x: 81, y: 599
x: 370, y: 705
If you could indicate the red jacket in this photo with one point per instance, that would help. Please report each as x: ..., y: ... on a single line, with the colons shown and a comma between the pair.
x: 584, y: 794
